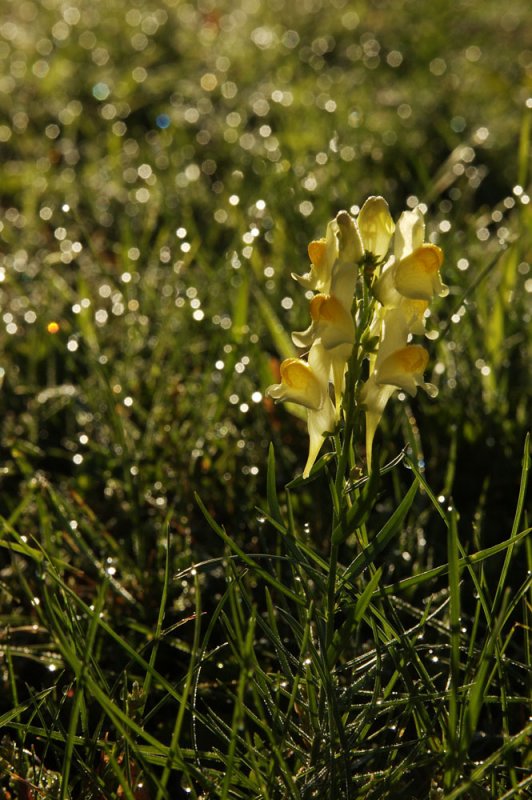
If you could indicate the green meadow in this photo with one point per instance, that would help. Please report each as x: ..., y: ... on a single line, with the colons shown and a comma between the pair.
x: 182, y: 615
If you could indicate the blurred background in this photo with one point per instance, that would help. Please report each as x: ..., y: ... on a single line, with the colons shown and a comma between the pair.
x: 164, y: 166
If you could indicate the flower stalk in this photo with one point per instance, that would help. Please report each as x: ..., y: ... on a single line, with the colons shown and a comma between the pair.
x: 368, y: 304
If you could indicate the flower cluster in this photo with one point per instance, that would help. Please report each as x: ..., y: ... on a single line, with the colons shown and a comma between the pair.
x: 344, y: 317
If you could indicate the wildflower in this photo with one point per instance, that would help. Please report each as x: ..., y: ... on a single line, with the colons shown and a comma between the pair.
x: 330, y: 321
x: 376, y: 227
x: 413, y: 270
x: 402, y: 369
x: 332, y: 329
x: 416, y: 277
x: 403, y: 283
x: 307, y: 384
x: 323, y: 254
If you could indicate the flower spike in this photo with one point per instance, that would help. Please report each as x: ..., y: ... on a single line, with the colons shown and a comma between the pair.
x: 378, y: 323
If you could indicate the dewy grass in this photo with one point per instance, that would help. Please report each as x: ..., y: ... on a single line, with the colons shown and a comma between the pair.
x: 357, y: 633
x: 343, y: 600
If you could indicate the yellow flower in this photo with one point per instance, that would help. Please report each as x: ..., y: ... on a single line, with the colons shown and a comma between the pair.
x: 416, y: 277
x: 330, y: 336
x: 376, y: 226
x: 409, y: 233
x: 334, y: 260
x: 298, y: 384
x: 404, y: 285
x: 333, y: 323
x: 323, y: 254
x: 350, y: 253
x: 402, y: 368
x: 307, y: 384
x: 335, y: 335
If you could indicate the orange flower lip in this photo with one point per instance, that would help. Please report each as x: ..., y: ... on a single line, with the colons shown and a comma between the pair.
x: 327, y: 308
x: 427, y: 258
x: 412, y: 358
x: 296, y: 373
x: 317, y: 252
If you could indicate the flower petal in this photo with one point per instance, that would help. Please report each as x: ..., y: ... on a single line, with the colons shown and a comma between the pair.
x: 299, y: 384
x: 404, y: 369
x: 319, y: 424
x: 334, y: 324
x: 384, y: 288
x: 414, y: 313
x: 304, y: 338
x: 394, y: 334
x: 410, y: 233
x: 373, y: 398
x: 323, y: 254
x: 350, y: 247
x: 350, y: 252
x: 376, y: 226
x: 417, y: 275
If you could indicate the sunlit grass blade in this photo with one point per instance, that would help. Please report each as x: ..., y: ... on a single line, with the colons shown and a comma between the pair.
x: 454, y: 735
x: 517, y: 519
x: 271, y: 486
x: 79, y: 701
x: 246, y: 559
x: 383, y: 537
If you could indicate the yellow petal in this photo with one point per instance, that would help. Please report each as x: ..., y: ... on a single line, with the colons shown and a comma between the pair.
x: 319, y: 424
x: 404, y: 368
x: 417, y: 276
x: 414, y: 313
x: 317, y: 252
x: 322, y: 254
x: 393, y: 335
x: 376, y: 226
x: 373, y: 398
x: 350, y: 244
x: 304, y: 339
x: 325, y: 308
x: 334, y: 324
x: 299, y: 384
x: 410, y: 233
x: 384, y: 288
x: 330, y: 364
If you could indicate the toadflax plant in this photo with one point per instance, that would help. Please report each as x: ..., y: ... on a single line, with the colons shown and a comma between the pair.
x: 370, y: 300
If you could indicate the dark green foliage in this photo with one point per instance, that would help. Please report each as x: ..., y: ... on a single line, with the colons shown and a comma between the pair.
x: 164, y: 166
